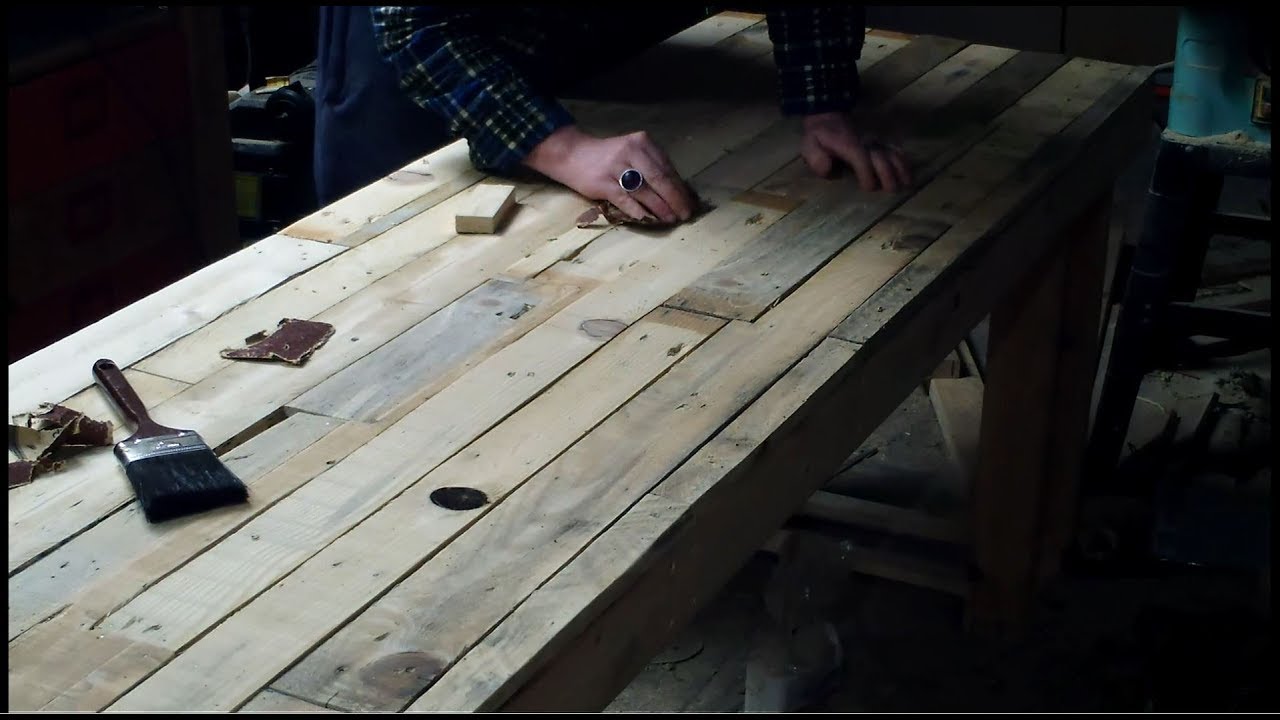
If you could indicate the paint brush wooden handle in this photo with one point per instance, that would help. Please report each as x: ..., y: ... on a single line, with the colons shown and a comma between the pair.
x: 126, y: 400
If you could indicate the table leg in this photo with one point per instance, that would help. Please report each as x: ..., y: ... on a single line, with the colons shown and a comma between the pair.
x: 1041, y: 361
x: 796, y: 653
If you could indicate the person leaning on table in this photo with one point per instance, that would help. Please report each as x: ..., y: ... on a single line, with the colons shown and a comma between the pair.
x: 395, y: 83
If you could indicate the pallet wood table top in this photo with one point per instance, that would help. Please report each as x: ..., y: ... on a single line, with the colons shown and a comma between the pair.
x: 640, y: 409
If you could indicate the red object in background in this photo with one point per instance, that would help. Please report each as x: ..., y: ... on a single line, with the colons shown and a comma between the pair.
x: 96, y: 112
x: 102, y: 186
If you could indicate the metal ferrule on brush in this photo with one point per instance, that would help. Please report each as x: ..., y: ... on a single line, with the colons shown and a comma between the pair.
x: 130, y: 450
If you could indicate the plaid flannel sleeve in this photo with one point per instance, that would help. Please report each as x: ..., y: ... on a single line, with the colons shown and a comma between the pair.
x: 816, y: 50
x: 446, y: 65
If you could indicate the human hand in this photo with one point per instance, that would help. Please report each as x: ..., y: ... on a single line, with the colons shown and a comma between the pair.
x: 831, y: 137
x: 592, y: 165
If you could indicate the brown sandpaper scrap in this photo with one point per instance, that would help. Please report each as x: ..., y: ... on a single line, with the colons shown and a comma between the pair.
x: 78, y: 429
x: 37, y: 440
x: 293, y: 342
x: 613, y: 215
x: 21, y: 473
x: 28, y: 443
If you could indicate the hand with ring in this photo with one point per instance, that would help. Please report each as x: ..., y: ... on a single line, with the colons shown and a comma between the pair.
x: 630, y: 171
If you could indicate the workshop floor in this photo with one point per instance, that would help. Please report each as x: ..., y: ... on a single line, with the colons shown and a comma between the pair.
x: 1115, y: 638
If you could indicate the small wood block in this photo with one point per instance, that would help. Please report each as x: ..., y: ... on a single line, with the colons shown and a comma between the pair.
x: 487, y: 207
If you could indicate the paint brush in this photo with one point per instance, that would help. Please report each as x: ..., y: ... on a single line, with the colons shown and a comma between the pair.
x: 173, y: 472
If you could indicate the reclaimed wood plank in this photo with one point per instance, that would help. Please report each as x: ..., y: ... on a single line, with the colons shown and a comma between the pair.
x: 422, y: 184
x: 515, y: 545
x: 698, y: 242
x: 453, y: 418
x: 744, y: 159
x: 417, y: 187
x: 66, y: 662
x: 60, y: 488
x: 270, y: 701
x: 779, y: 144
x: 229, y: 402
x: 370, y: 558
x: 506, y: 662
x: 791, y: 329
x: 129, y: 334
x: 838, y: 213
x: 195, y: 357
x: 627, y: 268
x: 128, y: 553
x: 745, y: 465
x: 1051, y: 183
x: 366, y: 389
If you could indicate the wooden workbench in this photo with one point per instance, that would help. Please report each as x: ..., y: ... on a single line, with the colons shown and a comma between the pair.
x: 641, y: 409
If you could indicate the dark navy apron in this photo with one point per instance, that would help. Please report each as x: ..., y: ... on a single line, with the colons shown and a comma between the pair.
x: 366, y: 127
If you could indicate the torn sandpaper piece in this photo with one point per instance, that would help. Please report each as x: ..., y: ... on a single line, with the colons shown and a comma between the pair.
x: 293, y: 342
x: 613, y: 215
x: 21, y: 473
x: 37, y: 440
x: 76, y: 428
x: 30, y: 444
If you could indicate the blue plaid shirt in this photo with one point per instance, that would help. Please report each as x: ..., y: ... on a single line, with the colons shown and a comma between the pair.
x: 486, y: 71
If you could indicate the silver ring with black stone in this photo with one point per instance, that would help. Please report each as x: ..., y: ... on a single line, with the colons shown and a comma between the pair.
x: 631, y: 180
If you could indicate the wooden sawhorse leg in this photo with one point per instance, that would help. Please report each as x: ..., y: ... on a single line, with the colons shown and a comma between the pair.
x: 1041, y: 361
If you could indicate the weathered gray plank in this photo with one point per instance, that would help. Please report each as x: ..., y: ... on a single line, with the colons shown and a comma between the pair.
x: 764, y: 271
x: 369, y: 387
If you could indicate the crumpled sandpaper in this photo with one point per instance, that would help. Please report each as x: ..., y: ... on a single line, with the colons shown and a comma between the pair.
x: 292, y: 342
x: 37, y: 441
x: 76, y: 428
x: 613, y: 215
x: 21, y: 472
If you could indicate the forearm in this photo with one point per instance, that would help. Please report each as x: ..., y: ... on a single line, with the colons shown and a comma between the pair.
x: 447, y: 65
x: 816, y: 50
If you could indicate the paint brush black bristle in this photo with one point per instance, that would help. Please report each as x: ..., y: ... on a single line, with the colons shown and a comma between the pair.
x: 173, y: 472
x: 183, y: 483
